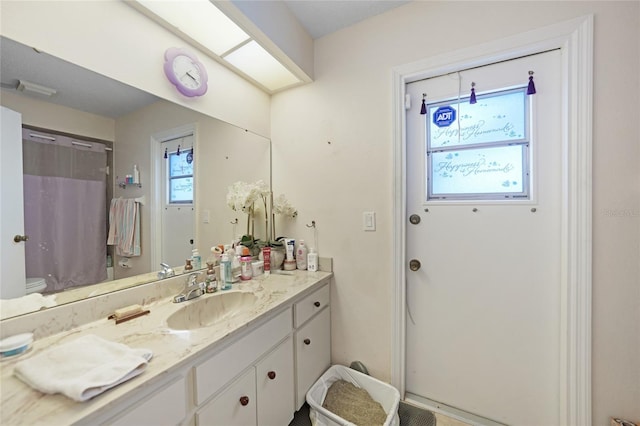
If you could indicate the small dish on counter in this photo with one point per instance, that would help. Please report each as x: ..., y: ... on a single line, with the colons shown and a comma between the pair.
x: 15, y: 345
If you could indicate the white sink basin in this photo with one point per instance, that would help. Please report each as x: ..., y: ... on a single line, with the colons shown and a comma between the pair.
x: 209, y: 310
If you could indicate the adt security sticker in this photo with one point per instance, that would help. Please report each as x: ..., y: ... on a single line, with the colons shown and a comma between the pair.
x: 444, y: 116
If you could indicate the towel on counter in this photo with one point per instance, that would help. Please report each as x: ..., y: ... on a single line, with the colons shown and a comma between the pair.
x: 124, y: 226
x: 82, y: 368
x: 23, y: 305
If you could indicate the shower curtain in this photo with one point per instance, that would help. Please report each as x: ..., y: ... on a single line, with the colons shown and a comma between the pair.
x: 64, y: 209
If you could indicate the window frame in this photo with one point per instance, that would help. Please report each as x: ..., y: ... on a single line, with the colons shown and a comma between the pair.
x: 526, y: 142
x: 172, y: 178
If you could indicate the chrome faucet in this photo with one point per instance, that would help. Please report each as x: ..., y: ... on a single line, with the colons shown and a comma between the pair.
x: 191, y: 289
x: 166, y: 271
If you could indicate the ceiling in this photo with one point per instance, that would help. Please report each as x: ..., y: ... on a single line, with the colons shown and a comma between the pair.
x: 322, y: 17
x: 100, y: 95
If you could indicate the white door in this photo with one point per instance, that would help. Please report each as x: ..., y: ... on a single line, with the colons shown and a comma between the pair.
x: 12, y: 269
x: 177, y: 214
x: 483, y: 324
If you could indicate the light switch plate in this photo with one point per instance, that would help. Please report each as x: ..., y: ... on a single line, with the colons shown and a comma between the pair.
x: 369, y: 221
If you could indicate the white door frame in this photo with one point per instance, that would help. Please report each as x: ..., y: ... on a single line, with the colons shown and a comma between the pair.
x: 575, y: 38
x: 155, y: 186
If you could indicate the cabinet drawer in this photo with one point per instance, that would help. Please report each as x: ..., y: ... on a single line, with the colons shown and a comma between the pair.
x: 313, y: 353
x: 214, y: 373
x: 236, y: 406
x: 166, y: 407
x: 310, y: 305
x: 274, y: 381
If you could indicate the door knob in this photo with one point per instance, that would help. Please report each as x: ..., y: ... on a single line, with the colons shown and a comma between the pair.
x: 244, y: 400
x: 19, y: 238
x: 414, y: 264
x: 271, y: 375
x: 307, y: 341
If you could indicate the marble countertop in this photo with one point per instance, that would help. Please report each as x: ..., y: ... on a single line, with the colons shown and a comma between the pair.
x: 172, y: 349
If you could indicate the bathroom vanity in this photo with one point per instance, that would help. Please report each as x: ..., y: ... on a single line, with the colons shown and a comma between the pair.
x: 251, y: 363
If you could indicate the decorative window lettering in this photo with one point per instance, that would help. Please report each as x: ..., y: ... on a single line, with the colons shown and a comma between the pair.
x: 484, y: 153
x: 180, y: 179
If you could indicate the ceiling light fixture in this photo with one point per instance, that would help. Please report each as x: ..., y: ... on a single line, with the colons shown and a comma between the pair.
x: 33, y: 88
x: 202, y: 24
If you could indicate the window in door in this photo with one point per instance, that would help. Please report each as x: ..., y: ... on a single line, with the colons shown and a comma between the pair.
x: 479, y: 151
x: 180, y: 178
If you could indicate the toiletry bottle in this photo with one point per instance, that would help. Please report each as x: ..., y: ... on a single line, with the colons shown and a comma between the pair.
x: 136, y: 174
x: 301, y: 256
x: 188, y: 266
x: 245, y: 267
x: 225, y: 272
x: 291, y: 249
x: 196, y: 260
x: 312, y: 260
x: 235, y: 265
x: 266, y: 255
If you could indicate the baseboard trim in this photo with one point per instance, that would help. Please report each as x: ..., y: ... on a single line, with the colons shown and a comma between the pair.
x: 449, y: 411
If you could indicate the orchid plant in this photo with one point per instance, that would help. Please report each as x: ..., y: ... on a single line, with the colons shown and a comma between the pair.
x: 282, y: 207
x: 245, y: 197
x: 242, y: 196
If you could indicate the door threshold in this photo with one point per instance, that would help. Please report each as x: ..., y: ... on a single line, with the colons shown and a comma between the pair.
x: 449, y: 411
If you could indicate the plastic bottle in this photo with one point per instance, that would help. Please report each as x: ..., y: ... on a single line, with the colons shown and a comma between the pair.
x: 301, y: 256
x: 245, y: 267
x: 196, y: 260
x: 266, y: 256
x: 225, y: 272
x: 136, y: 174
x: 312, y: 260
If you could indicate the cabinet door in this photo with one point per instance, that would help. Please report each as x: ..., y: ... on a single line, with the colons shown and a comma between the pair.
x: 235, y: 406
x: 218, y: 370
x: 166, y: 407
x: 274, y: 380
x: 313, y: 353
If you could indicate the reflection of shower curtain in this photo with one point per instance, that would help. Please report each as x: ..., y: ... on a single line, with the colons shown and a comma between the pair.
x: 65, y: 210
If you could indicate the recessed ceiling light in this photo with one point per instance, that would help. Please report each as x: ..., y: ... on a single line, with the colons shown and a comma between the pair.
x: 253, y: 60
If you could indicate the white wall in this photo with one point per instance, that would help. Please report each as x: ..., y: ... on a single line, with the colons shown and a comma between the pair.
x: 332, y: 143
x: 62, y: 119
x: 115, y: 40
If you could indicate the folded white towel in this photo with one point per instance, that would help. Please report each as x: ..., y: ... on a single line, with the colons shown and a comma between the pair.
x: 82, y: 368
x: 25, y: 304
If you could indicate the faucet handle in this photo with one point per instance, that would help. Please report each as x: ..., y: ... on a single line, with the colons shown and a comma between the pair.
x: 193, y: 276
x: 166, y: 272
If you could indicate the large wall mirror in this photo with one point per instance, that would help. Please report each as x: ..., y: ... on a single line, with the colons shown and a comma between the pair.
x: 143, y: 129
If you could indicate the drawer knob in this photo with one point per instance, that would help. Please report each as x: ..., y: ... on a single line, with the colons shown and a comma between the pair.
x: 307, y: 341
x: 316, y: 304
x: 244, y: 400
x: 271, y: 375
